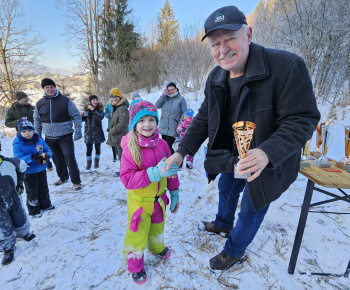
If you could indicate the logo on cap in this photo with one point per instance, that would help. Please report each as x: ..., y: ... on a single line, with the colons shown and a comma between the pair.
x: 219, y: 17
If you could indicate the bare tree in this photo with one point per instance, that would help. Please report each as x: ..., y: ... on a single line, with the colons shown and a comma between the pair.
x: 190, y: 60
x: 318, y: 31
x: 83, y: 30
x: 19, y: 47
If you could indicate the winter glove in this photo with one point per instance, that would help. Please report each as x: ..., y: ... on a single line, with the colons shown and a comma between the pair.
x: 174, y: 196
x: 19, y: 189
x: 77, y: 135
x: 43, y: 157
x: 35, y: 156
x: 157, y: 172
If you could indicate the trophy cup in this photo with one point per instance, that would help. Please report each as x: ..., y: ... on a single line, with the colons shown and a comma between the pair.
x: 316, y: 153
x: 345, y: 162
x: 327, y: 138
x: 243, y: 132
x: 303, y: 159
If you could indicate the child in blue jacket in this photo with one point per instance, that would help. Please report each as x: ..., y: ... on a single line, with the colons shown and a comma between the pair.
x: 35, y: 152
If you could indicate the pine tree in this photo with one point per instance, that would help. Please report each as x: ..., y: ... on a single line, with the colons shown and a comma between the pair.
x: 168, y: 29
x: 119, y: 37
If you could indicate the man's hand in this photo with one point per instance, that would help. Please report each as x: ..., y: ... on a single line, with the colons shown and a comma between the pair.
x: 254, y: 163
x: 175, y: 158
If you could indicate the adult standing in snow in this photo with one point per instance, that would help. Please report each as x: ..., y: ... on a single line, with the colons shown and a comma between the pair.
x: 173, y: 107
x: 93, y: 133
x: 271, y: 88
x: 54, y: 116
x: 118, y: 126
x: 19, y: 109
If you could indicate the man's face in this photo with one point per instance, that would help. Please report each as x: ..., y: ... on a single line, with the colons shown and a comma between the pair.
x: 50, y: 90
x: 23, y: 101
x: 230, y: 49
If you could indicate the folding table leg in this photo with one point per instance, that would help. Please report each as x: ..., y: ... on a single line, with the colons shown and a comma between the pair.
x: 301, y: 226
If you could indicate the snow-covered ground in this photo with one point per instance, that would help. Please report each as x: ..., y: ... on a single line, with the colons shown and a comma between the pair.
x: 79, y: 244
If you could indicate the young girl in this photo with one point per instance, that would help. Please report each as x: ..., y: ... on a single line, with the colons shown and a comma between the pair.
x: 33, y: 151
x: 93, y: 133
x: 143, y: 173
x: 181, y: 129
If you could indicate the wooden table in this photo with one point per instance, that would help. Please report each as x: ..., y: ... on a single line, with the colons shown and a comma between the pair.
x: 325, y: 179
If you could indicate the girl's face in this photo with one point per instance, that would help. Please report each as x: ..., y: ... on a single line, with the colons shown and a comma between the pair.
x: 27, y: 134
x: 146, y: 126
x: 186, y: 117
x: 94, y: 102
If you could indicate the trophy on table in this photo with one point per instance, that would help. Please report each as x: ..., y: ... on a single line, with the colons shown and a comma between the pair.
x: 303, y: 159
x: 243, y: 132
x: 345, y: 162
x: 327, y: 138
x: 317, y: 153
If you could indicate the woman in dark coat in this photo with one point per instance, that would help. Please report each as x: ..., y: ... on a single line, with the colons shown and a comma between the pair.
x: 93, y: 133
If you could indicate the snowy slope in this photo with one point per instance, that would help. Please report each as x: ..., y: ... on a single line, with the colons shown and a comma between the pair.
x: 79, y: 244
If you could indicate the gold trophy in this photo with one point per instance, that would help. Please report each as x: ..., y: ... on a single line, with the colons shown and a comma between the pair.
x: 345, y: 162
x: 327, y: 138
x: 303, y: 160
x: 243, y: 131
x: 317, y: 153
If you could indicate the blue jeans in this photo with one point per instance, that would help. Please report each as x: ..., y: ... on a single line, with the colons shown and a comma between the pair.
x: 249, y: 220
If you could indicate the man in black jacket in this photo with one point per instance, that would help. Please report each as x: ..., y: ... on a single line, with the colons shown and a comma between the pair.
x: 271, y: 88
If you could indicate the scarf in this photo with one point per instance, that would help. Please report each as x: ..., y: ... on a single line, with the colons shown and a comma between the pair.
x: 32, y: 140
x: 174, y: 95
x: 148, y: 142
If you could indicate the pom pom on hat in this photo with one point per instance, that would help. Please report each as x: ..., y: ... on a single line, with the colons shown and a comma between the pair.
x: 140, y: 109
x: 115, y: 93
x: 47, y: 82
x: 20, y: 95
x: 24, y: 124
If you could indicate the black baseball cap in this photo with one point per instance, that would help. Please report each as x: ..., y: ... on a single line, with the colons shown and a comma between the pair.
x: 227, y: 17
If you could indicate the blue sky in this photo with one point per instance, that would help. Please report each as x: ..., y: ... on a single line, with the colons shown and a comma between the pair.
x: 49, y: 21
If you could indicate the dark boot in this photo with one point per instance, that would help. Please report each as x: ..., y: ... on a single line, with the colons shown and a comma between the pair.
x: 8, y: 257
x: 223, y: 261
x: 28, y: 237
x: 97, y: 162
x: 212, y: 228
x: 140, y: 277
x: 165, y: 254
x: 88, y: 164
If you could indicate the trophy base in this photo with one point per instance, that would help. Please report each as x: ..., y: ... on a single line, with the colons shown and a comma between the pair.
x: 316, y: 154
x: 322, y: 165
x: 241, y: 176
x: 305, y: 164
x: 342, y: 165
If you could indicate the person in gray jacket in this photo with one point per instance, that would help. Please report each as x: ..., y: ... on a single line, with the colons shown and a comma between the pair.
x: 54, y: 116
x: 269, y: 87
x: 173, y: 106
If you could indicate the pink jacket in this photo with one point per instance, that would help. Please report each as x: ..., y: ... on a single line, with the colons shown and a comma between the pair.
x: 134, y: 178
